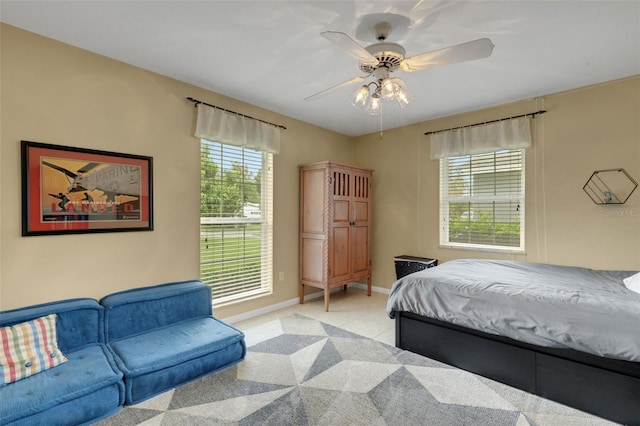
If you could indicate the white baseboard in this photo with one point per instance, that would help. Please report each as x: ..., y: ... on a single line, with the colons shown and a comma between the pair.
x: 271, y: 308
x: 374, y: 289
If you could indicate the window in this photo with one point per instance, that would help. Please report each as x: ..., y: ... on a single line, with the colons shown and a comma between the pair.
x: 236, y: 221
x: 482, y: 200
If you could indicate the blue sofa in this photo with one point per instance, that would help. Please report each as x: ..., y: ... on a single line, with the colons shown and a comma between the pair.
x: 86, y: 388
x: 165, y: 335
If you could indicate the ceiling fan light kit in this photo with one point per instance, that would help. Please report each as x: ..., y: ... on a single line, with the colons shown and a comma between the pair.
x: 360, y: 96
x: 382, y: 58
x: 402, y: 95
x: 373, y: 105
x: 368, y: 96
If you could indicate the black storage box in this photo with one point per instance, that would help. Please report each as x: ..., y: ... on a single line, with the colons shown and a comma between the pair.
x: 406, y: 265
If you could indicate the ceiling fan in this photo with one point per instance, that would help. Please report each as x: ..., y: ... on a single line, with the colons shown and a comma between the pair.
x: 382, y: 58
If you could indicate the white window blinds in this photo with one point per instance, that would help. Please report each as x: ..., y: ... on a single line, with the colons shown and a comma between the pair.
x: 236, y: 221
x: 482, y: 200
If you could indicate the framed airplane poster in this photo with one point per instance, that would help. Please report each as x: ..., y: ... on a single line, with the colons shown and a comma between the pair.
x: 69, y: 190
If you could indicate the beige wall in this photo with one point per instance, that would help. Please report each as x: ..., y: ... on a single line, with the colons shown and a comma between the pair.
x: 589, y: 129
x: 54, y: 93
x: 58, y: 94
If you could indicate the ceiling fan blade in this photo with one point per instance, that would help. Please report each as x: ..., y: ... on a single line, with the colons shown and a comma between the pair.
x: 469, y: 51
x: 351, y: 46
x: 336, y: 87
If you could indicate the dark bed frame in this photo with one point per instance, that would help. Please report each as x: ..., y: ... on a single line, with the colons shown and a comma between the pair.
x: 608, y: 388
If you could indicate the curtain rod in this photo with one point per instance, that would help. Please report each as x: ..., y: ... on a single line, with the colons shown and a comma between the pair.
x: 196, y: 102
x: 531, y: 114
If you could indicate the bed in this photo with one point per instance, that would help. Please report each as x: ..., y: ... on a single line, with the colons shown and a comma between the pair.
x: 565, y: 333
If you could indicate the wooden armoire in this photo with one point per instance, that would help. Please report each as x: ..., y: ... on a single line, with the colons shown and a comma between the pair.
x: 335, y: 226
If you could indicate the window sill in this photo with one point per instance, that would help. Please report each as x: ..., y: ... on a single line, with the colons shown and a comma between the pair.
x: 232, y: 300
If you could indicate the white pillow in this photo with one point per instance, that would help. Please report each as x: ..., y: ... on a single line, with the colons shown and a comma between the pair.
x: 633, y: 282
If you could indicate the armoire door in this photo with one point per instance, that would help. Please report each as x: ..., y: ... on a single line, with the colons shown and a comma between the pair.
x: 360, y: 223
x: 340, y: 224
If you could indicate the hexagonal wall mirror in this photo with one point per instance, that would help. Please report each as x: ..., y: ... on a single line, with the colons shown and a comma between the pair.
x: 611, y: 186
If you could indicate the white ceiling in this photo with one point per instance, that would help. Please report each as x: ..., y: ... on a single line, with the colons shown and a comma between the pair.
x: 271, y: 54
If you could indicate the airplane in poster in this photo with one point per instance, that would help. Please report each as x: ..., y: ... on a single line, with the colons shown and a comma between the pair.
x: 111, y: 179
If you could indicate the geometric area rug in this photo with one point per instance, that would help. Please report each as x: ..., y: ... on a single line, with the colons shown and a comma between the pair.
x: 300, y: 371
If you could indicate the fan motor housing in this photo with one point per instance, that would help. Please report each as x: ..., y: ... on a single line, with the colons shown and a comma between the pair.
x: 389, y: 55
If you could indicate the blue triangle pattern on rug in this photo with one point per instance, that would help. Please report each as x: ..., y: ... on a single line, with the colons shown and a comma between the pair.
x: 306, y: 372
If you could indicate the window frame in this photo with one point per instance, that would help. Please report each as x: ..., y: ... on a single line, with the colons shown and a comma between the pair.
x: 266, y: 227
x: 446, y: 200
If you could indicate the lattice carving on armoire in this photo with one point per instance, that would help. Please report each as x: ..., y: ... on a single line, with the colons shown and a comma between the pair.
x: 341, y: 183
x: 361, y: 187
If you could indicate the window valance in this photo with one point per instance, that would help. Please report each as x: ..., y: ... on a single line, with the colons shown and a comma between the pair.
x: 508, y: 134
x: 216, y: 125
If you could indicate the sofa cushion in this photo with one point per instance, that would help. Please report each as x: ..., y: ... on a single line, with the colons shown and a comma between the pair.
x: 89, y: 376
x: 173, y: 345
x: 143, y: 309
x: 29, y: 348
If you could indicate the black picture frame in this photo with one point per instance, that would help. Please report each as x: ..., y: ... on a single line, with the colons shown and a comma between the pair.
x: 71, y: 190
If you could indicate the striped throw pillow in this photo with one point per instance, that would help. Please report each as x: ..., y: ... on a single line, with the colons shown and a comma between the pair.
x: 29, y: 348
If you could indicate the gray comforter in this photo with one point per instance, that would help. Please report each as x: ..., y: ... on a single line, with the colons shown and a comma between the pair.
x: 545, y: 305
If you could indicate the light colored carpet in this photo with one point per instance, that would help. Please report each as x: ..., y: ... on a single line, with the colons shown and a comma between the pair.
x: 300, y: 371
